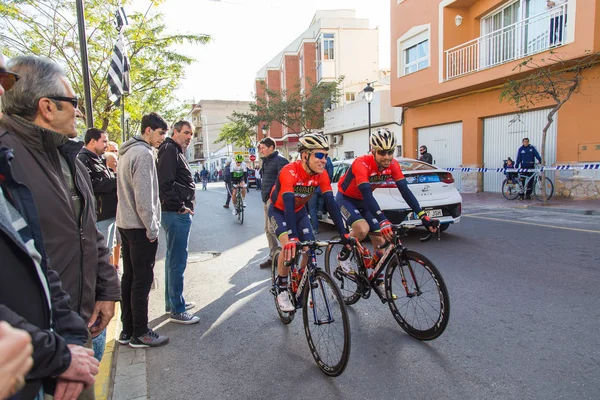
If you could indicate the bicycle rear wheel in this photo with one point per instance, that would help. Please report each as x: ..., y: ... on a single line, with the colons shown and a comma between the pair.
x: 422, y: 306
x: 347, y: 284
x: 285, y: 317
x: 326, y: 324
x: 539, y: 194
x: 510, y: 190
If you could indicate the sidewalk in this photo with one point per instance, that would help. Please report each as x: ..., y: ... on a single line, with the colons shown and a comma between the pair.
x: 557, y: 204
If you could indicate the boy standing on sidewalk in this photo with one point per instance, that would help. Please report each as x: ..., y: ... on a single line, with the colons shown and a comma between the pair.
x: 138, y: 220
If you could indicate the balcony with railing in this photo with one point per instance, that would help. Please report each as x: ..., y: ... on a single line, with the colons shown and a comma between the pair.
x: 524, y: 38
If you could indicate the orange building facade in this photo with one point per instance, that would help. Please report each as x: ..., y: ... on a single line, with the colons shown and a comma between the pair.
x: 450, y: 60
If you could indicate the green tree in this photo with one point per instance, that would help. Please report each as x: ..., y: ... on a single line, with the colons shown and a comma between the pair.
x: 550, y: 79
x: 237, y: 133
x: 49, y: 28
x: 297, y: 110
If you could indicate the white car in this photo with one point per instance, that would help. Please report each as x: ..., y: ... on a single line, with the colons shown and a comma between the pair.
x: 433, y: 187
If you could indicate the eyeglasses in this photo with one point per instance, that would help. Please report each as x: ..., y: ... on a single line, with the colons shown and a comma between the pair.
x: 320, y: 156
x: 73, y: 100
x: 7, y: 79
x: 421, y: 149
x: 384, y: 153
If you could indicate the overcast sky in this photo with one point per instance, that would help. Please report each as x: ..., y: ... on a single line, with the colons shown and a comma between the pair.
x: 249, y: 33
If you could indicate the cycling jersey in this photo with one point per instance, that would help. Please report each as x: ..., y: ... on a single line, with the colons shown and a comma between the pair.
x: 238, y: 172
x: 294, y: 179
x: 365, y: 170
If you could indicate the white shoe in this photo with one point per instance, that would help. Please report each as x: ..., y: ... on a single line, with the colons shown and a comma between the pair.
x: 284, y: 302
x: 244, y: 202
x: 233, y: 211
x: 346, y: 266
x: 381, y: 289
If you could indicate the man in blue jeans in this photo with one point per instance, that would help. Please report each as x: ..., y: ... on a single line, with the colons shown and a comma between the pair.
x: 177, y: 196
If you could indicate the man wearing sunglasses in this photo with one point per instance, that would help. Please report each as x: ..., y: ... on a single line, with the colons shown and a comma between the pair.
x: 359, y: 207
x: 38, y: 121
x: 295, y: 185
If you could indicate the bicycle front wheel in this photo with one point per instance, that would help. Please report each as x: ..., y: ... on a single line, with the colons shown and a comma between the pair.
x: 345, y: 282
x: 285, y: 317
x: 538, y: 193
x: 510, y: 190
x: 417, y: 295
x: 326, y: 324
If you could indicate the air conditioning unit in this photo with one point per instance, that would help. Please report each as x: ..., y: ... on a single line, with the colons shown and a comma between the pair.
x: 338, y: 139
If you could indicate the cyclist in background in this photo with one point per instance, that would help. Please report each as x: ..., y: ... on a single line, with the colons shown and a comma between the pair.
x: 288, y: 218
x: 239, y: 175
x: 358, y: 205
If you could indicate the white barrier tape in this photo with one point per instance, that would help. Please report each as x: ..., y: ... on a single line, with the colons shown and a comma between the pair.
x: 555, y: 168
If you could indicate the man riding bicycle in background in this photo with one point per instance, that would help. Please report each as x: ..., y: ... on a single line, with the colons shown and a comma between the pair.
x: 288, y: 218
x: 358, y: 205
x: 239, y: 175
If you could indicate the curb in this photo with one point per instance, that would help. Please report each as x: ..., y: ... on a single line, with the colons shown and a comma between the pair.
x: 565, y: 210
x: 104, y: 379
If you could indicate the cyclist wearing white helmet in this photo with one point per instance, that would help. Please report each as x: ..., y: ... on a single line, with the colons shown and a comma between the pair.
x: 359, y: 207
x: 288, y: 218
x: 239, y: 176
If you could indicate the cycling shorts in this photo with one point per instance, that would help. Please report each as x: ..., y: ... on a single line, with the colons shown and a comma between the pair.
x: 237, y: 180
x: 278, y: 225
x: 354, y: 210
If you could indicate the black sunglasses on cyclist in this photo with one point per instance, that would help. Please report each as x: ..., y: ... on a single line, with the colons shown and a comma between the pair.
x: 8, y: 79
x: 320, y: 156
x: 384, y: 153
x: 73, y: 100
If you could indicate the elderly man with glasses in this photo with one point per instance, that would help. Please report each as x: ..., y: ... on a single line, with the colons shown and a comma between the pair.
x: 38, y: 121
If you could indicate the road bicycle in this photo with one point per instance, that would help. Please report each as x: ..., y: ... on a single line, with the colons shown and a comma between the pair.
x: 324, y: 314
x: 414, y: 288
x: 238, y: 204
x: 516, y: 186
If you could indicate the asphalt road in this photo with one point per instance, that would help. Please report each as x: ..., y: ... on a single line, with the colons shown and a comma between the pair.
x: 524, y: 317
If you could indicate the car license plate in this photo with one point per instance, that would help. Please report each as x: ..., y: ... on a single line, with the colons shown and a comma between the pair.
x: 434, y: 213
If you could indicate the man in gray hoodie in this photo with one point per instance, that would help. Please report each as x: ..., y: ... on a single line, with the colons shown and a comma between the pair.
x: 138, y: 220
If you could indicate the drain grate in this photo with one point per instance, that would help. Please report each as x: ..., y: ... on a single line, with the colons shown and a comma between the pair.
x: 202, y: 256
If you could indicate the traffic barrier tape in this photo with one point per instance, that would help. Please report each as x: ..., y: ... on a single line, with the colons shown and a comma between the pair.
x: 550, y: 168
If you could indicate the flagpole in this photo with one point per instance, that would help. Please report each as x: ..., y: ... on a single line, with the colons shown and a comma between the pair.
x: 89, y: 111
x: 123, y: 117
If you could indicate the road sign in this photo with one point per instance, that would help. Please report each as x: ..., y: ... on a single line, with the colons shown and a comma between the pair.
x: 252, y: 157
x: 252, y: 151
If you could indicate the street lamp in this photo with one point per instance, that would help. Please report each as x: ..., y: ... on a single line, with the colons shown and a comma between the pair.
x: 368, y: 90
x: 264, y: 130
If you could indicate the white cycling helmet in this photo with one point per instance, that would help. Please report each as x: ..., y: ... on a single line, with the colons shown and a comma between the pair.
x: 313, y: 141
x: 383, y: 139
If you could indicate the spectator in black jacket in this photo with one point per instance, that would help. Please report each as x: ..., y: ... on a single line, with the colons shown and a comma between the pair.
x: 32, y: 299
x: 104, y: 182
x: 177, y: 196
x: 425, y: 156
x: 104, y: 185
x: 526, y: 156
x: 227, y: 180
x: 272, y: 163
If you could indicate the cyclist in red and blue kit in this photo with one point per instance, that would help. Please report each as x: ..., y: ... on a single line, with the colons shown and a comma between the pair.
x: 359, y: 207
x: 288, y: 218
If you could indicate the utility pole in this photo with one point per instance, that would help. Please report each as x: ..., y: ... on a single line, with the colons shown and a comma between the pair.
x: 87, y: 92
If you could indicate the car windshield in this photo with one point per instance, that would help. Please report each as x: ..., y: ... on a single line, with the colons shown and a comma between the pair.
x: 414, y: 165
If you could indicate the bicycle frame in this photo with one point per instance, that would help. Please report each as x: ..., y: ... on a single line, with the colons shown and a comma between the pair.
x: 392, y: 250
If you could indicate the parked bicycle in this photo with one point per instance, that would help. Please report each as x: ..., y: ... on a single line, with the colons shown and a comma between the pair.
x: 238, y: 203
x: 324, y: 313
x: 513, y: 187
x: 414, y: 288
